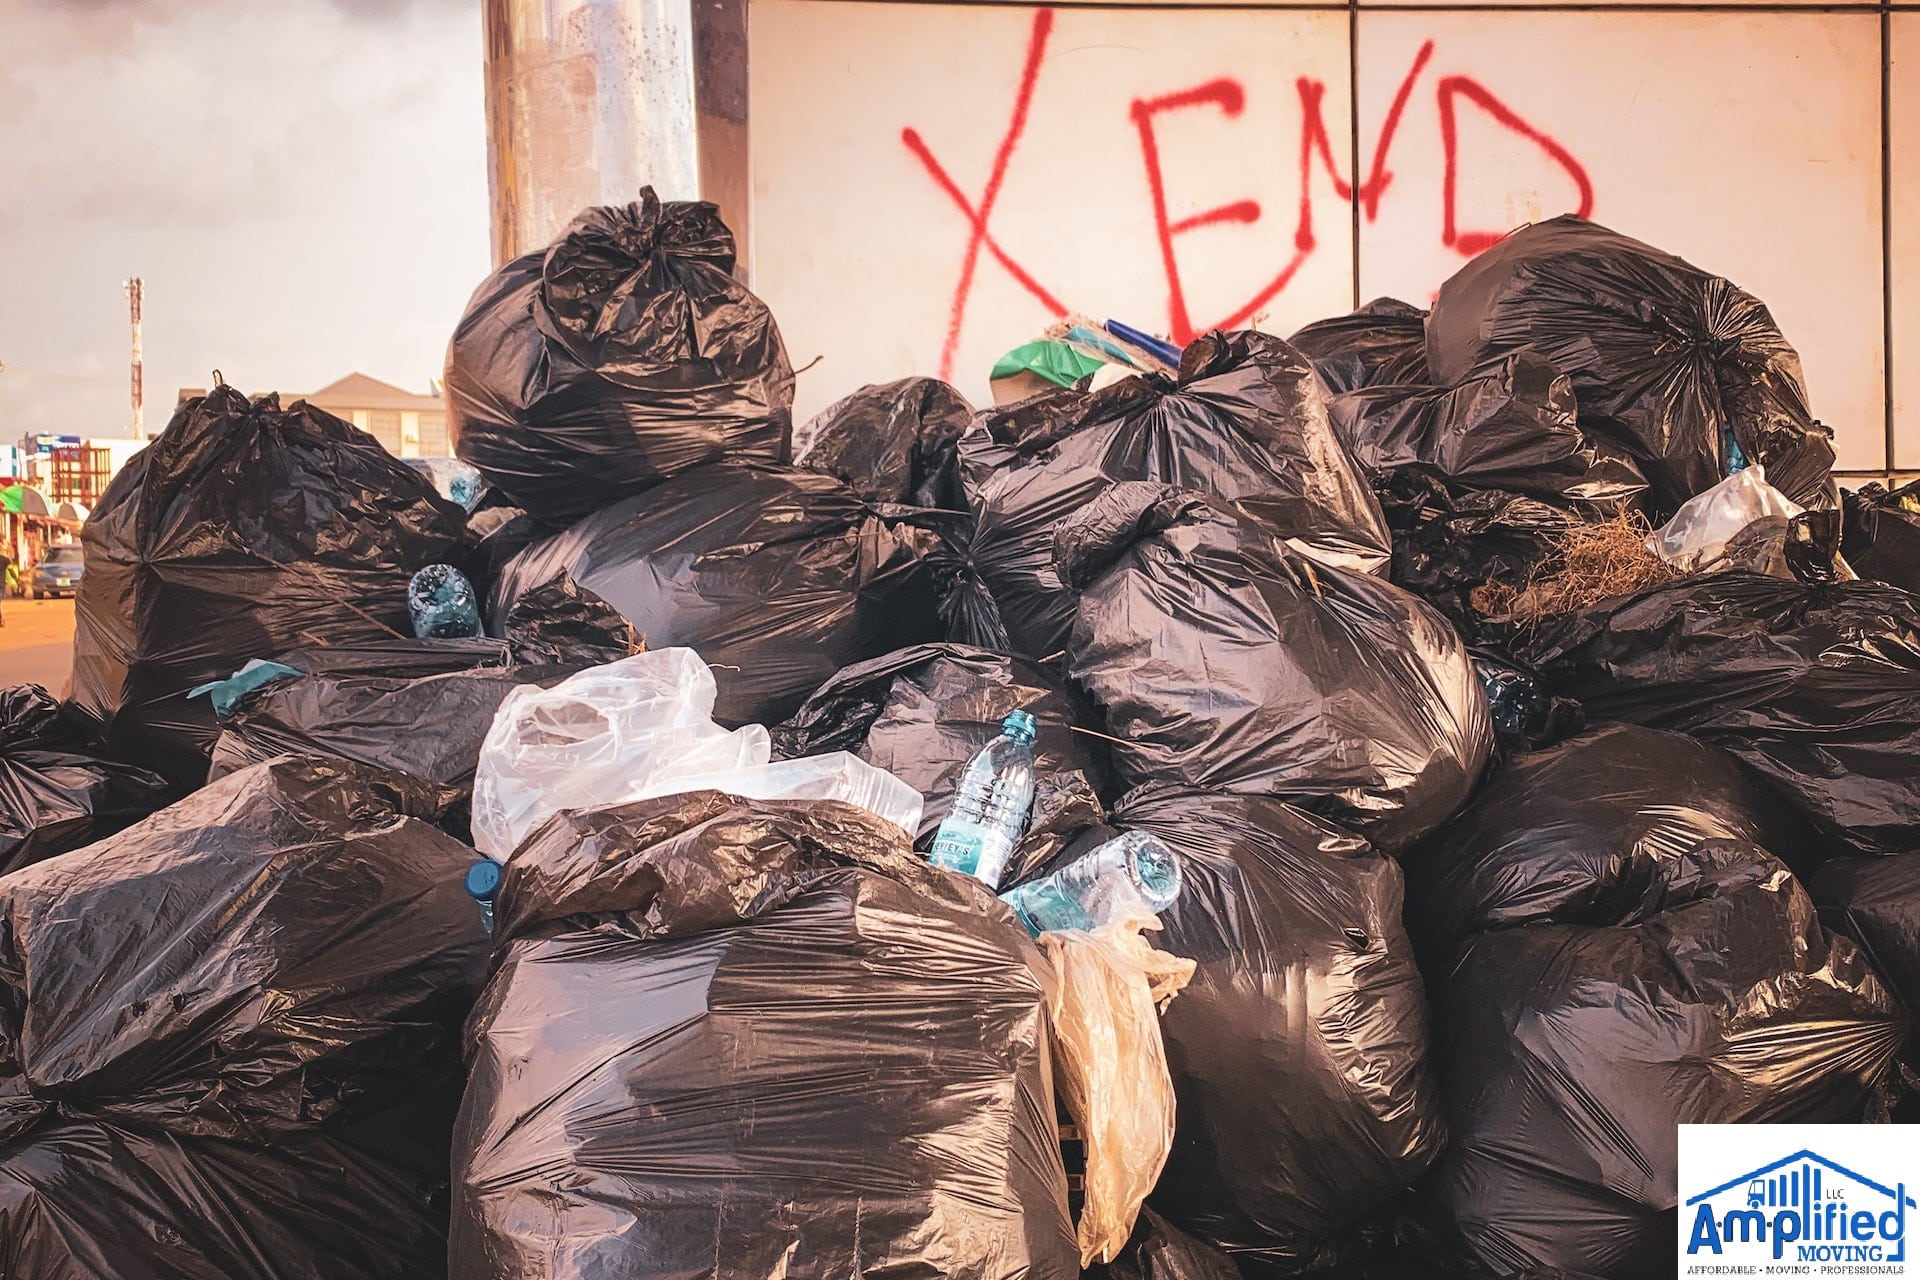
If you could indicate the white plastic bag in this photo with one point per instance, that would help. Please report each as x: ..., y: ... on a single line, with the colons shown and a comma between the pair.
x: 644, y: 727
x: 1111, y: 1065
x: 838, y: 775
x: 1700, y: 530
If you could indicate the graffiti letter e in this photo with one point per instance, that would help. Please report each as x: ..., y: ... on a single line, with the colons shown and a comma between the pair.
x: 1231, y: 99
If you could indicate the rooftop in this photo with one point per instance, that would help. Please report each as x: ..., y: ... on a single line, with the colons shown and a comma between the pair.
x: 355, y: 391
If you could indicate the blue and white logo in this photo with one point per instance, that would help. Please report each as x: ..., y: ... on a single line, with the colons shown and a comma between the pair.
x: 1830, y: 1198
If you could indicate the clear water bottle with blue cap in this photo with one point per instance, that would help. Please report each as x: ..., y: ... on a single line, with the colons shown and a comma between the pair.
x: 1130, y: 871
x: 483, y: 882
x: 990, y: 807
x: 443, y: 604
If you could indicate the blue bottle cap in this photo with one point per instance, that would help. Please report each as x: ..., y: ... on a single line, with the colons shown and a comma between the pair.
x: 1019, y: 726
x: 483, y: 879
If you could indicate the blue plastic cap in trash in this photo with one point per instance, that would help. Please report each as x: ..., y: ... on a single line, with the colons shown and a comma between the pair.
x: 1019, y: 726
x: 483, y: 880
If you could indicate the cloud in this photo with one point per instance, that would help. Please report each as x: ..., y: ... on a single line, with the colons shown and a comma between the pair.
x: 301, y: 183
x: 362, y: 9
x: 392, y: 9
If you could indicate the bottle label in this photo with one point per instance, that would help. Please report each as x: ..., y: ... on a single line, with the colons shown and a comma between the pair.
x: 958, y: 845
x: 1050, y: 910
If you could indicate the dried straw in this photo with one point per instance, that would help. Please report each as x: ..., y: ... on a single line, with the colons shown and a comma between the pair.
x: 1592, y: 562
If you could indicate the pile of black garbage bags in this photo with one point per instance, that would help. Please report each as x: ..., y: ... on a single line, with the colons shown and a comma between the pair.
x: 1479, y: 909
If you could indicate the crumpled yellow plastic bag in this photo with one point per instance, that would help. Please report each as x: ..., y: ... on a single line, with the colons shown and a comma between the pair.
x: 1111, y: 1065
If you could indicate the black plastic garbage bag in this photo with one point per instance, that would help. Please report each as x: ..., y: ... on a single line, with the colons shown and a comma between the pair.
x: 243, y: 531
x: 1382, y: 344
x: 560, y: 621
x: 924, y: 712
x: 30, y: 716
x: 1814, y: 686
x: 1508, y: 426
x: 1525, y: 715
x: 739, y: 1039
x: 425, y: 723
x: 1415, y: 1252
x: 892, y: 442
x: 1219, y: 657
x: 229, y: 1037
x: 897, y: 444
x: 1881, y: 538
x: 968, y: 612
x: 1876, y: 902
x: 495, y: 535
x: 1158, y: 1250
x: 1596, y: 831
x: 101, y: 1201
x: 1669, y: 363
x: 623, y: 353
x: 1299, y: 1049
x: 399, y: 657
x: 1449, y: 544
x: 1246, y: 421
x: 55, y: 794
x: 776, y: 576
x: 1568, y: 1054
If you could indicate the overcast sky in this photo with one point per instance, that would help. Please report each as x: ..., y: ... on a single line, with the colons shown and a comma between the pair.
x: 301, y: 183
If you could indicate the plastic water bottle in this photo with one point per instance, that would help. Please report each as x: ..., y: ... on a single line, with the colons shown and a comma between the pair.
x: 483, y: 881
x: 1096, y: 889
x: 443, y: 604
x: 462, y: 482
x: 990, y: 808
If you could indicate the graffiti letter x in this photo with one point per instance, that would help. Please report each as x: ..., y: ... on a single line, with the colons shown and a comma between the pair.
x: 979, y: 215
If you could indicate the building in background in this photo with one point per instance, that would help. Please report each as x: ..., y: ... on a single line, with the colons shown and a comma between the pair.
x: 62, y: 477
x: 407, y: 424
x: 48, y: 485
x: 71, y: 469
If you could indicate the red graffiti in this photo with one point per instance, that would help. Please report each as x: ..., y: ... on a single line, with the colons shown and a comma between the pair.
x: 1313, y: 131
x: 1472, y: 242
x: 1229, y: 97
x: 1313, y: 141
x: 978, y: 216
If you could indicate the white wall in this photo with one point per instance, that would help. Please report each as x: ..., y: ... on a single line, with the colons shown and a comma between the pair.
x: 1904, y: 188
x: 1749, y: 141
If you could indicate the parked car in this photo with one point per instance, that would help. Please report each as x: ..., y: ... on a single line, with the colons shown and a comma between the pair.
x: 59, y: 572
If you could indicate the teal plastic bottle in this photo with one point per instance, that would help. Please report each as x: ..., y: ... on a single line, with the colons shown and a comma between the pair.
x: 990, y: 808
x: 1093, y: 890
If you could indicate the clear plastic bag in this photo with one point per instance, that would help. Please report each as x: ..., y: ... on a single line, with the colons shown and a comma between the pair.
x: 1111, y: 1067
x: 838, y: 775
x: 1701, y: 532
x: 644, y: 727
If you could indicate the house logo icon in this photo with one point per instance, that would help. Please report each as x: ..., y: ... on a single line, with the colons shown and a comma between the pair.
x: 1800, y: 1208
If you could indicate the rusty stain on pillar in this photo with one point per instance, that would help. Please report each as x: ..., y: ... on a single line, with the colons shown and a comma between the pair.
x: 587, y: 102
x: 720, y: 112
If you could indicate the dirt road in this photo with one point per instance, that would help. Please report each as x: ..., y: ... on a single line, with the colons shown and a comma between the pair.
x: 36, y: 643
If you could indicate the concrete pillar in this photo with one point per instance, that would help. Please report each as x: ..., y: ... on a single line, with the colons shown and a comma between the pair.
x: 587, y: 101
